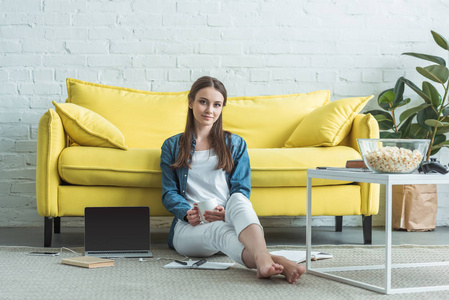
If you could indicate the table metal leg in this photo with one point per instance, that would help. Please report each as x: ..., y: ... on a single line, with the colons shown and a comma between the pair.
x: 388, y: 225
x: 309, y: 224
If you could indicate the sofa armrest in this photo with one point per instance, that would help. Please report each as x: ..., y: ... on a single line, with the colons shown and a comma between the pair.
x: 363, y: 127
x: 51, y: 140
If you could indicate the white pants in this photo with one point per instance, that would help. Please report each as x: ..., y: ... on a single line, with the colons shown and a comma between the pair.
x: 207, y: 239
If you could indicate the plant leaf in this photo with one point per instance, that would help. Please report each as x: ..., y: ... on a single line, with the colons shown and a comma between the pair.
x: 402, y: 103
x: 383, y: 118
x: 417, y: 132
x: 416, y: 89
x: 432, y: 58
x: 411, y: 111
x: 398, y: 92
x: 443, y: 144
x: 405, y: 127
x: 386, y: 99
x: 390, y: 135
x: 434, y: 151
x: 384, y: 122
x: 446, y: 111
x: 442, y: 130
x: 439, y: 140
x: 424, y: 115
x: 432, y: 92
x: 435, y: 73
x: 435, y: 123
x: 380, y: 118
x: 375, y: 112
x: 440, y: 40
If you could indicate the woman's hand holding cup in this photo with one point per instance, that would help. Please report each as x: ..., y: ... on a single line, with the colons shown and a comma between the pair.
x: 210, y: 211
x: 193, y: 216
x: 215, y: 215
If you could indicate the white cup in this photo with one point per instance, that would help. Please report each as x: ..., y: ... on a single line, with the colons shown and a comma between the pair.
x: 210, y: 204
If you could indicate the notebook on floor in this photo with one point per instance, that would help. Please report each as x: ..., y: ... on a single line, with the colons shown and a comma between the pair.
x: 117, y: 232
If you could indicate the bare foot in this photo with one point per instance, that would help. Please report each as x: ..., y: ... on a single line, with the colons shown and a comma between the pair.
x: 292, y: 271
x: 266, y: 267
x: 270, y: 270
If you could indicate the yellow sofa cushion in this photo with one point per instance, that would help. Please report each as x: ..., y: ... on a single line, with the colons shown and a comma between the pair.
x: 110, y: 167
x: 94, y: 166
x: 88, y: 128
x: 327, y: 125
x: 268, y: 121
x: 145, y: 118
x: 287, y: 167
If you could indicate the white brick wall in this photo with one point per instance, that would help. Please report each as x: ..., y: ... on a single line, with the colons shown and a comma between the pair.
x: 255, y: 47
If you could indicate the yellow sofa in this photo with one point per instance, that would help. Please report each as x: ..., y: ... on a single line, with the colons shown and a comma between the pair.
x: 102, y: 148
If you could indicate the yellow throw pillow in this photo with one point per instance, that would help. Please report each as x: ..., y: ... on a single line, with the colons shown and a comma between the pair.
x: 268, y: 121
x: 327, y: 125
x: 88, y: 128
x: 145, y: 118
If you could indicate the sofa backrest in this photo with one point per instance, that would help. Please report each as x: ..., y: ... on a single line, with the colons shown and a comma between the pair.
x: 268, y: 121
x: 146, y: 119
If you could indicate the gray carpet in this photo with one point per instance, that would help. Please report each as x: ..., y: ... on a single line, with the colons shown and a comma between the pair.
x: 35, y: 277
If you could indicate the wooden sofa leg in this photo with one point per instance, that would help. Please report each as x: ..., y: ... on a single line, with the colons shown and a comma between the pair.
x: 57, y: 225
x: 48, y: 226
x: 367, y: 229
x: 338, y: 223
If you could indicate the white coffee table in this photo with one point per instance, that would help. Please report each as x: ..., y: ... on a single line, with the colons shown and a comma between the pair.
x: 388, y: 180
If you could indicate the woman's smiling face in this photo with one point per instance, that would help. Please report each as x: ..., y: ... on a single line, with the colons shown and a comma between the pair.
x: 207, y: 106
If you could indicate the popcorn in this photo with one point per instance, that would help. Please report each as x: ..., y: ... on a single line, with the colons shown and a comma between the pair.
x: 393, y: 160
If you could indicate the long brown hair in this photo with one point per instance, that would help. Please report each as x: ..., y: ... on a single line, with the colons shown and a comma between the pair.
x: 217, y: 136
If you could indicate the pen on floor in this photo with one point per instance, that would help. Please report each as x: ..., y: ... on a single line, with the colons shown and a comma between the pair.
x: 199, y: 263
x: 181, y: 262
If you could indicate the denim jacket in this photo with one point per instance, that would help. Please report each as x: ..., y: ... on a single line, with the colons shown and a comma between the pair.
x: 174, y: 182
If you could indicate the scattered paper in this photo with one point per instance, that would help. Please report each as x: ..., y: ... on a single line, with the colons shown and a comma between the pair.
x: 206, y: 266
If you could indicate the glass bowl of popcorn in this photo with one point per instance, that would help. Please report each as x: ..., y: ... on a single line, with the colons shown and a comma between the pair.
x: 398, y: 156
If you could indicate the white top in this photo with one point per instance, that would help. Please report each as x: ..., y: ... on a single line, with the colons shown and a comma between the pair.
x: 205, y: 181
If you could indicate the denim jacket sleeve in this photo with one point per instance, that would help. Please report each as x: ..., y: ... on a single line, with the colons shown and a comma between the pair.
x: 240, y: 177
x: 173, y: 201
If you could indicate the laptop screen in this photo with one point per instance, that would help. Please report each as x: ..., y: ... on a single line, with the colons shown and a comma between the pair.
x: 117, y: 228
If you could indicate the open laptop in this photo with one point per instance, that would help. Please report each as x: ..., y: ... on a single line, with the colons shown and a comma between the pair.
x: 117, y: 232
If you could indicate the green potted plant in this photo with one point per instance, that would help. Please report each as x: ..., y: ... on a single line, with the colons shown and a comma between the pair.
x: 427, y: 120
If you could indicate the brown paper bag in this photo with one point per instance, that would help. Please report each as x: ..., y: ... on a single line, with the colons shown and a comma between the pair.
x: 415, y: 207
